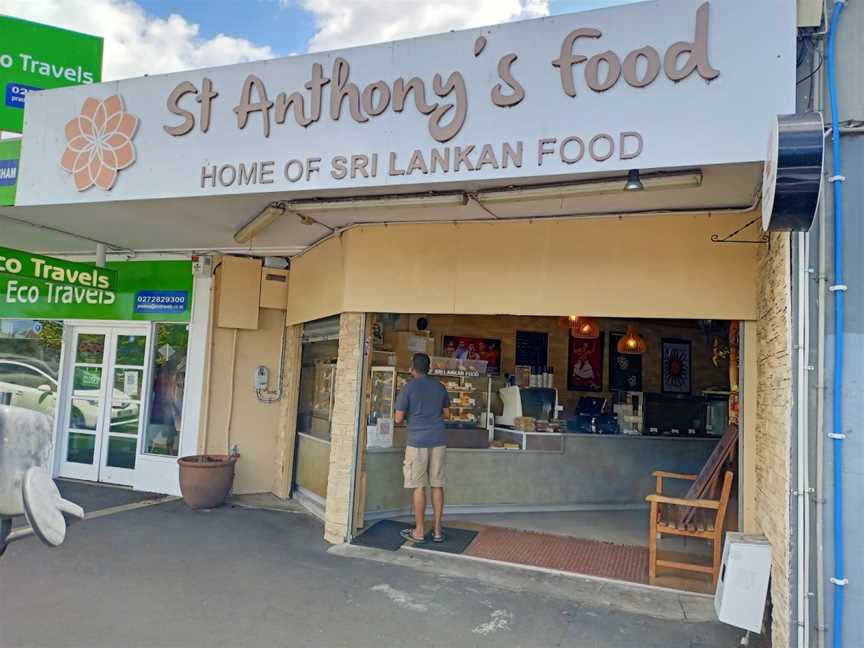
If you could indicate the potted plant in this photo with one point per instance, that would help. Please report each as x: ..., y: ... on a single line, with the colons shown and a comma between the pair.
x: 205, y: 480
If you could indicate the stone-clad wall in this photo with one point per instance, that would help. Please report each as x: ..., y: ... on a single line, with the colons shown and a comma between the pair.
x: 342, y: 429
x: 774, y: 422
x: 286, y: 433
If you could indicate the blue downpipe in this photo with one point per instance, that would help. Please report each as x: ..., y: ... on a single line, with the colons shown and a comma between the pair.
x: 839, y: 297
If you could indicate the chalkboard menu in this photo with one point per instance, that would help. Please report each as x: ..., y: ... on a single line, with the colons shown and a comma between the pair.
x: 532, y: 348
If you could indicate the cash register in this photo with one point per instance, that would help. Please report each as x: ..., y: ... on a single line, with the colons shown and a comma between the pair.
x: 540, y: 403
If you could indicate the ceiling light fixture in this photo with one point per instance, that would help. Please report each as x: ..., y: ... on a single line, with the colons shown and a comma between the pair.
x: 379, y: 202
x: 261, y: 222
x: 632, y: 342
x: 596, y: 187
x: 584, y: 328
x: 633, y: 182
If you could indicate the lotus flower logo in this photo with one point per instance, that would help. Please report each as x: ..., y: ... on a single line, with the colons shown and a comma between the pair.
x: 99, y: 143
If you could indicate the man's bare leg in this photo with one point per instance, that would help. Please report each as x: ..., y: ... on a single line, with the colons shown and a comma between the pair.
x: 437, y: 508
x: 420, y: 512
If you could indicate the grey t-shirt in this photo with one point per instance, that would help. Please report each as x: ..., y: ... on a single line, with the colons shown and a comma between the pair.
x: 423, y: 400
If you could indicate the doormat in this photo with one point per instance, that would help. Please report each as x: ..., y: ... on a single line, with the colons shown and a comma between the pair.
x: 576, y: 555
x: 384, y: 534
x: 456, y: 541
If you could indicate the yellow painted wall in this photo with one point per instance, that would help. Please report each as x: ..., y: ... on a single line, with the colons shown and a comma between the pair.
x: 652, y: 266
x: 254, y: 425
x: 316, y: 286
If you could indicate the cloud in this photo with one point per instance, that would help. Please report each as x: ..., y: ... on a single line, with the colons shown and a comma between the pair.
x: 345, y: 23
x: 137, y: 43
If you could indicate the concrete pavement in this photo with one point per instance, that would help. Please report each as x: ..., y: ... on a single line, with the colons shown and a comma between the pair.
x: 167, y: 576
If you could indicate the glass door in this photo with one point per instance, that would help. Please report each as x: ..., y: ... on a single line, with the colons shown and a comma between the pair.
x: 102, y: 416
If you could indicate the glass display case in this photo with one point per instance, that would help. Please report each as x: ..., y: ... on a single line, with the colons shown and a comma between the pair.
x: 469, y: 397
x: 386, y: 383
x: 469, y: 400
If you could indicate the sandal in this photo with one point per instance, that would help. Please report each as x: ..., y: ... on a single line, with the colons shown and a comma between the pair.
x: 438, y: 537
x: 408, y: 534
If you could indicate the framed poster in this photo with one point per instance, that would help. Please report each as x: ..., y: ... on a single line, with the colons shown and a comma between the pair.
x: 585, y: 364
x: 625, y: 369
x: 532, y: 349
x: 676, y: 366
x: 464, y: 347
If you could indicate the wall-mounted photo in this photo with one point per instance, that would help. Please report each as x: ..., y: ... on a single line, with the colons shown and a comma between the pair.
x: 677, y: 366
x: 585, y: 364
x: 464, y: 347
x: 625, y: 369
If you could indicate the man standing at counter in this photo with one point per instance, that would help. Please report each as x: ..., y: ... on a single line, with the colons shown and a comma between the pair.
x: 425, y: 404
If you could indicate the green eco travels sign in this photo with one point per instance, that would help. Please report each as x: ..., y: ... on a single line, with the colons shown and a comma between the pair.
x: 128, y: 290
x: 38, y: 57
x: 24, y: 265
x: 10, y: 152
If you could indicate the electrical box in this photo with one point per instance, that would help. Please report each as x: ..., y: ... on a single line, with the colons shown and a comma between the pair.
x: 810, y: 13
x: 274, y: 288
x: 237, y: 305
x: 262, y: 378
x: 743, y: 584
x: 202, y: 266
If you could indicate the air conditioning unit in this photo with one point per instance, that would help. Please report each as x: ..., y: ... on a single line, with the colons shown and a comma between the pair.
x: 743, y: 584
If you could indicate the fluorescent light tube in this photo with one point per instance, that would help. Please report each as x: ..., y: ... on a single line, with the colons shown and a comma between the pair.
x: 261, y: 222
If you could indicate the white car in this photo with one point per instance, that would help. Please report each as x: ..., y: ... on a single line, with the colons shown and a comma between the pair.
x: 27, y: 386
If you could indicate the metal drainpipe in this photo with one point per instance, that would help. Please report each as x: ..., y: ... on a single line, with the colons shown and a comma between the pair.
x: 802, y: 486
x: 819, y: 487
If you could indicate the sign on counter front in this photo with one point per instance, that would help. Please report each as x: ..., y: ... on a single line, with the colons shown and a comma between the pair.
x: 37, y: 57
x: 33, y: 286
x: 672, y: 83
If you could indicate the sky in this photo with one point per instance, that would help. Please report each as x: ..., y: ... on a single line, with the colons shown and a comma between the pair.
x: 159, y: 36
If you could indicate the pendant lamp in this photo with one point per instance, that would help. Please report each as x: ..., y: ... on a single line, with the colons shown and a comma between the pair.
x: 632, y: 342
x: 584, y: 328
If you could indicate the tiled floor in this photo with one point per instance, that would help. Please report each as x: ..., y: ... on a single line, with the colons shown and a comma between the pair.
x: 619, y: 527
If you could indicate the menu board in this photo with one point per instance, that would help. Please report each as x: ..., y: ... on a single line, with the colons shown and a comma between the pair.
x: 532, y: 348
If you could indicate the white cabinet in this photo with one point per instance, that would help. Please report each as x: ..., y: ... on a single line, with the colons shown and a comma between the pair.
x: 743, y: 586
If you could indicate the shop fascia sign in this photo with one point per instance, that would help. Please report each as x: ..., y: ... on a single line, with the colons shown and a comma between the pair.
x: 650, y: 85
x: 36, y: 57
x: 10, y: 152
x: 55, y: 273
x: 42, y: 287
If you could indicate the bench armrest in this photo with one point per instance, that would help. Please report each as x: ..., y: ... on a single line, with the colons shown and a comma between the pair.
x: 681, y: 501
x: 674, y: 475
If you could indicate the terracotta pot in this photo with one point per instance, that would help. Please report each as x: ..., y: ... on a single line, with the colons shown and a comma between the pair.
x: 205, y: 480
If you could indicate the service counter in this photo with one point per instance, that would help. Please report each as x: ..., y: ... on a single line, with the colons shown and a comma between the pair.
x: 588, y: 472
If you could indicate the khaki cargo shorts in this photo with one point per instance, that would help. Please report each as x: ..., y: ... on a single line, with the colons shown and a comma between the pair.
x: 424, y: 467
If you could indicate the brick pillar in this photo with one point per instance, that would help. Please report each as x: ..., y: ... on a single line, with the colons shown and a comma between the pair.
x: 286, y: 432
x: 773, y: 451
x: 343, y: 427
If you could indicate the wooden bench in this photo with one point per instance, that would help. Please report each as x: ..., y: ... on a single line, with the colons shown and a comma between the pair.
x: 689, y: 517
